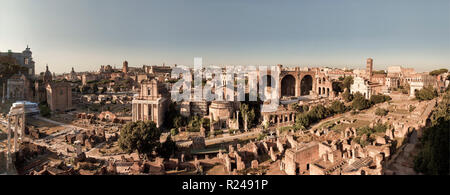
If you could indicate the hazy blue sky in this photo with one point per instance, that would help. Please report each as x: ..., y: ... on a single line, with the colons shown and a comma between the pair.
x: 338, y: 33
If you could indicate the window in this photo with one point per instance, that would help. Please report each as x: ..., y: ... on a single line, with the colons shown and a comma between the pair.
x: 149, y: 91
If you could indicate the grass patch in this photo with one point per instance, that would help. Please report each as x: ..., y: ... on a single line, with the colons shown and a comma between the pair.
x: 356, y: 124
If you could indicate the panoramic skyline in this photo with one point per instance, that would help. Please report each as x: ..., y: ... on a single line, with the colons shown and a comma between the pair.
x: 87, y: 34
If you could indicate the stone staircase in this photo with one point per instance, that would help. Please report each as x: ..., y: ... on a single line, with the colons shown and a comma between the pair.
x: 337, y: 166
x: 358, y: 164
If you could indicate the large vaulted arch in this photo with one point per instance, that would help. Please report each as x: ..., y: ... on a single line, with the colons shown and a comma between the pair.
x: 288, y: 86
x: 306, y: 85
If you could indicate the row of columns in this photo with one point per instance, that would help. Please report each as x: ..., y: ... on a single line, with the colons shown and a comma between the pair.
x: 143, y: 112
x: 281, y: 118
x: 15, y: 118
x: 323, y: 91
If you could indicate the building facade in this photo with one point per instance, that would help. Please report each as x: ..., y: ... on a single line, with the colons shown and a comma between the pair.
x: 151, y: 103
x: 59, y: 96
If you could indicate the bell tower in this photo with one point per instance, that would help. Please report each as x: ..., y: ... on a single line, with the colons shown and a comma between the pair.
x: 369, y: 68
x: 125, y: 67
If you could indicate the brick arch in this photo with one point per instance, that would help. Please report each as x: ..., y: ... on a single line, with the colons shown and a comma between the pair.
x: 307, y: 82
x: 289, y: 86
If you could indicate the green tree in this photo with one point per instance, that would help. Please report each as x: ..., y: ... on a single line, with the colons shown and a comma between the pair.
x: 248, y: 115
x: 426, y: 93
x: 379, y: 128
x: 405, y: 89
x: 178, y: 122
x: 173, y: 131
x: 338, y: 107
x: 302, y: 120
x: 434, y: 154
x: 85, y: 89
x: 167, y: 148
x: 140, y: 136
x: 194, y: 124
x: 438, y: 72
x: 319, y: 112
x: 347, y: 82
x: 173, y: 118
x: 376, y: 99
x: 44, y: 109
x: 95, y: 88
x: 347, y: 96
x: 359, y: 102
x: 381, y: 112
x: 411, y: 108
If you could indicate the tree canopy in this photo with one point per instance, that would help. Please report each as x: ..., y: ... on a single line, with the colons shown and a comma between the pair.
x: 347, y: 82
x: 348, y: 97
x: 376, y: 99
x: 381, y: 112
x: 248, y: 114
x: 360, y: 102
x: 438, y: 72
x: 338, y: 107
x: 140, y: 136
x: 433, y: 157
x: 167, y: 148
x: 426, y: 93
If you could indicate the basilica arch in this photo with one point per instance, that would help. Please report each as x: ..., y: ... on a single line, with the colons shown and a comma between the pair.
x: 288, y: 86
x: 292, y: 82
x: 306, y: 85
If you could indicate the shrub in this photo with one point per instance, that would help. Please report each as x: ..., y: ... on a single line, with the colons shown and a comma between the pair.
x: 433, y: 157
x: 360, y: 103
x: 261, y: 136
x: 303, y: 120
x: 411, y: 108
x: 218, y: 132
x: 194, y: 124
x: 426, y: 93
x: 233, y: 131
x: 319, y: 112
x: 167, y: 148
x: 338, y: 107
x: 174, y: 131
x: 347, y: 82
x: 347, y: 96
x: 376, y: 99
x: 380, y: 128
x: 44, y: 110
x: 381, y: 112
